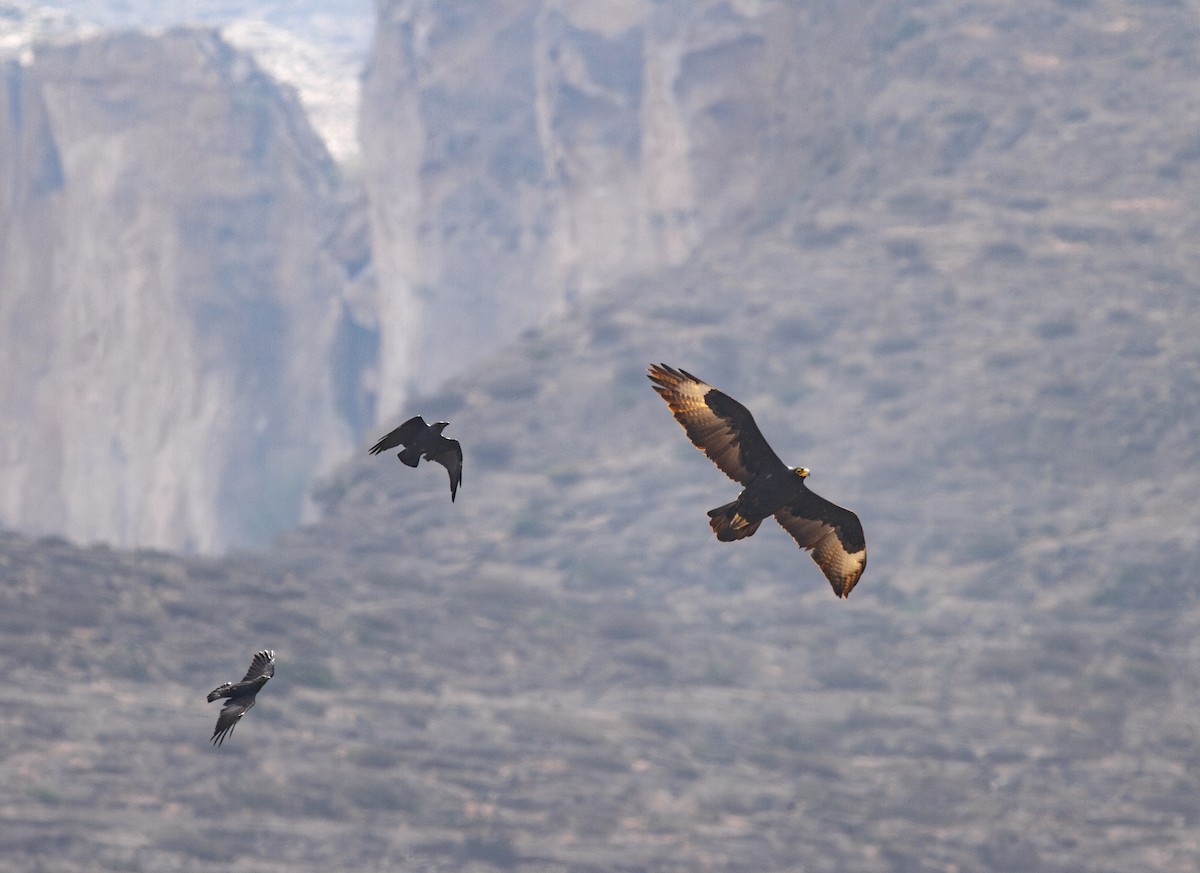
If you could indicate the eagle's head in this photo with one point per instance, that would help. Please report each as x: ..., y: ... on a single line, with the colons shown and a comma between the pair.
x: 802, y: 472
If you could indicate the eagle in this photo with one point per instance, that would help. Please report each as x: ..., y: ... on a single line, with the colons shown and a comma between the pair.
x: 725, y: 431
x: 241, y: 694
x: 425, y: 440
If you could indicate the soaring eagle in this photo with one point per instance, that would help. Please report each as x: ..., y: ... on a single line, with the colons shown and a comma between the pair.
x: 725, y: 431
x: 421, y: 439
x: 241, y: 694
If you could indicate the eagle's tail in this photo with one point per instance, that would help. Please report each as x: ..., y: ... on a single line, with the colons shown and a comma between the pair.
x: 728, y: 525
x: 410, y: 456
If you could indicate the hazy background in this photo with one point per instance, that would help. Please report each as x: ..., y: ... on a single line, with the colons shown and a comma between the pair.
x: 944, y: 252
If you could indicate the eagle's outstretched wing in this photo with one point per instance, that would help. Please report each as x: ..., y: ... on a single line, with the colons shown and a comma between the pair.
x: 716, y: 423
x: 834, y: 534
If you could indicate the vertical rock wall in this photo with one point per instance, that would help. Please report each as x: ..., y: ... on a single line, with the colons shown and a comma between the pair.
x: 518, y: 154
x: 167, y: 296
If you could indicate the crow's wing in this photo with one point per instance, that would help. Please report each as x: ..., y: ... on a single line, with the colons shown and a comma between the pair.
x: 716, y: 423
x: 403, y: 435
x: 448, y: 453
x: 262, y: 665
x: 222, y: 690
x: 231, y: 714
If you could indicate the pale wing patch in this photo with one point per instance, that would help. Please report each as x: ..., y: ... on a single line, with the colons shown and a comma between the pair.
x: 709, y: 432
x: 840, y: 567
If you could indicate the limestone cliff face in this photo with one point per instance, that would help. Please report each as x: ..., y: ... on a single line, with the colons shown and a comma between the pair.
x: 169, y: 295
x: 518, y: 154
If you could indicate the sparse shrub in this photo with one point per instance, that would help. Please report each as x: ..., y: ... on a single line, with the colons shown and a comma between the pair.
x: 1146, y: 586
x: 814, y: 236
x: 513, y: 386
x: 382, y: 794
x: 1081, y: 234
x: 44, y: 795
x: 591, y: 571
x: 492, y: 454
x: 373, y: 757
x: 969, y: 129
x: 1056, y: 328
x: 907, y: 249
x: 527, y: 523
x: 211, y: 845
x: 495, y: 849
x: 910, y: 28
x: 311, y: 674
x: 917, y: 204
x: 688, y: 315
x: 1004, y: 253
x: 562, y: 475
x: 372, y: 628
x: 880, y: 390
x: 895, y: 344
x: 987, y: 546
x: 797, y: 330
x: 628, y: 626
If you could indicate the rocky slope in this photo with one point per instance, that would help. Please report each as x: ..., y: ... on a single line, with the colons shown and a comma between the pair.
x: 172, y: 275
x: 976, y: 328
x: 520, y: 155
x: 564, y: 671
x: 969, y: 306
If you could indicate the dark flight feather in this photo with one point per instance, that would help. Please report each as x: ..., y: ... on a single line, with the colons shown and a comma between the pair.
x: 726, y: 431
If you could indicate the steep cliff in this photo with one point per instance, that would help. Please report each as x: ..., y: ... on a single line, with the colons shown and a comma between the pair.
x: 520, y: 154
x: 170, y: 295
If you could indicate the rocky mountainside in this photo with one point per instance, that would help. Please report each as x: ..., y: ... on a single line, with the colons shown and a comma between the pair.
x: 316, y: 46
x: 175, y: 244
x: 520, y: 155
x: 969, y: 307
x: 564, y: 671
x: 518, y: 158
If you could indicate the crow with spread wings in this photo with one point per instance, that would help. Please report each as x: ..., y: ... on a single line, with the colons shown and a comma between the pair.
x: 725, y: 431
x: 425, y: 440
x: 241, y: 694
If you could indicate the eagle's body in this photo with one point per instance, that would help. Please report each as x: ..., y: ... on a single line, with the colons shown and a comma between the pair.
x: 725, y: 431
x: 241, y: 694
x: 762, y: 498
x: 421, y: 440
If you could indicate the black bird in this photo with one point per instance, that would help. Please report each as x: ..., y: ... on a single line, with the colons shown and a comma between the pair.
x: 241, y: 694
x: 725, y: 431
x: 421, y: 439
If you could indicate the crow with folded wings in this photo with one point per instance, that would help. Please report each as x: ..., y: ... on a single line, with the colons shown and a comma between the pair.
x: 725, y: 431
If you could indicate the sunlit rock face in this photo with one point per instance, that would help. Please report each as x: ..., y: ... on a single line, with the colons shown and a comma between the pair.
x: 520, y: 154
x: 169, y: 298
